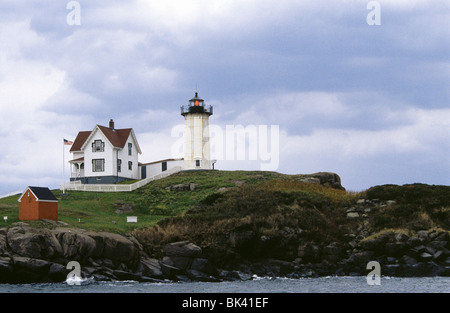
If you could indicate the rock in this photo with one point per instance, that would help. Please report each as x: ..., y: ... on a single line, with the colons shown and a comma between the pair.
x: 115, y: 247
x: 423, y: 234
x: 443, y: 236
x: 391, y: 269
x: 33, y: 243
x: 375, y: 244
x: 353, y: 215
x: 180, y: 262
x: 310, y: 180
x: 400, y: 237
x: 57, y: 272
x: 309, y: 253
x: 426, y: 256
x: 75, y: 244
x: 406, y: 259
x: 124, y: 275
x: 122, y: 207
x: 204, y: 266
x: 150, y: 268
x: 437, y: 244
x: 3, y: 245
x: 362, y: 257
x: 182, y: 187
x: 414, y: 241
x: 331, y: 179
x: 182, y: 249
x: 169, y: 271
x: 395, y: 248
x: 439, y: 255
x: 35, y: 266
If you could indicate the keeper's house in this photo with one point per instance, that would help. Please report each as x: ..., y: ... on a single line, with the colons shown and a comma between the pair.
x: 105, y: 155
x: 37, y: 203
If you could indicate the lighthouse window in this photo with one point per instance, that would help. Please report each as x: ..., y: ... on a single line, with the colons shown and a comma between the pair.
x: 164, y: 166
x: 197, y: 163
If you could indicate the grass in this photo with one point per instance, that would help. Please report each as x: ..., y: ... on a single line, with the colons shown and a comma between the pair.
x: 152, y: 203
x: 265, y: 202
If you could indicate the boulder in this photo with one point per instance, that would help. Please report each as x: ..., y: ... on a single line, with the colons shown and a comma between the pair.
x: 115, y: 247
x: 180, y: 262
x: 150, y: 268
x: 329, y: 179
x: 35, y: 266
x: 76, y: 245
x: 182, y: 249
x: 34, y: 243
x: 57, y: 272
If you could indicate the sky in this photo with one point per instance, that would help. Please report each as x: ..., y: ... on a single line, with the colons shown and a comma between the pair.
x: 359, y: 88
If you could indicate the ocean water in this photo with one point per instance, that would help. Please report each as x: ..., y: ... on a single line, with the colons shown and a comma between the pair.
x: 354, y: 284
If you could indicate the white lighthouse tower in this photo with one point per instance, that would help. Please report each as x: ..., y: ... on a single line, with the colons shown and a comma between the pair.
x: 196, y: 147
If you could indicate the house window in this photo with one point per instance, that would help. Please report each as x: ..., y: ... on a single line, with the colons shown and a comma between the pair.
x: 130, y: 148
x: 130, y: 165
x: 119, y: 165
x: 163, y: 166
x: 98, y: 146
x: 98, y: 165
x: 197, y: 163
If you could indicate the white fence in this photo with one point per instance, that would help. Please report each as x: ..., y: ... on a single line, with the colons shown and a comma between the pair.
x: 77, y: 186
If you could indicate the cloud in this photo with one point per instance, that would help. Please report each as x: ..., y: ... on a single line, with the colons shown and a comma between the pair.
x: 347, y: 96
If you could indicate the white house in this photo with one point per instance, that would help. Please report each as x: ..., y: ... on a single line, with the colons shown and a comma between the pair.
x: 105, y: 155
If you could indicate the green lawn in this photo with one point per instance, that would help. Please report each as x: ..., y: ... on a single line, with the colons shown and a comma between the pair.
x: 153, y: 202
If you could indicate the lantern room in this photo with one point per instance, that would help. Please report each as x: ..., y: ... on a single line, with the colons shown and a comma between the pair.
x: 196, y: 105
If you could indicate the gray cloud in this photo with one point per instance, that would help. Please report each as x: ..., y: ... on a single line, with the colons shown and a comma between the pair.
x: 348, y: 96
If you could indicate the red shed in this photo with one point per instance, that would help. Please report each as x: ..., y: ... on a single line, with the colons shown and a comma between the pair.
x: 37, y: 203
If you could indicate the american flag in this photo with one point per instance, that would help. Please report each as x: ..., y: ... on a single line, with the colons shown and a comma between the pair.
x: 67, y: 142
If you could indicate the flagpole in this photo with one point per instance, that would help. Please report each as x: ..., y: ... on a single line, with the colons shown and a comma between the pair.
x: 64, y: 172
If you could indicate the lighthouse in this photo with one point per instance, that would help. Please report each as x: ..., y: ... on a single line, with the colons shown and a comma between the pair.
x: 196, y: 146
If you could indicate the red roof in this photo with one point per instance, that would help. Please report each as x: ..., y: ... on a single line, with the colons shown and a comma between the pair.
x: 79, y: 141
x: 117, y: 137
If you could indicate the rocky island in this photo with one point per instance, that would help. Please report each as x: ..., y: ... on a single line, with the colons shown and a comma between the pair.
x: 297, y: 226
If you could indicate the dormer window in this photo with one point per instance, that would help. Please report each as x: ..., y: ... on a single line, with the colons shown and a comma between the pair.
x: 98, y: 146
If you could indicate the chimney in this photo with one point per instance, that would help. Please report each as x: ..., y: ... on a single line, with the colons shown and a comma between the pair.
x: 111, y: 124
